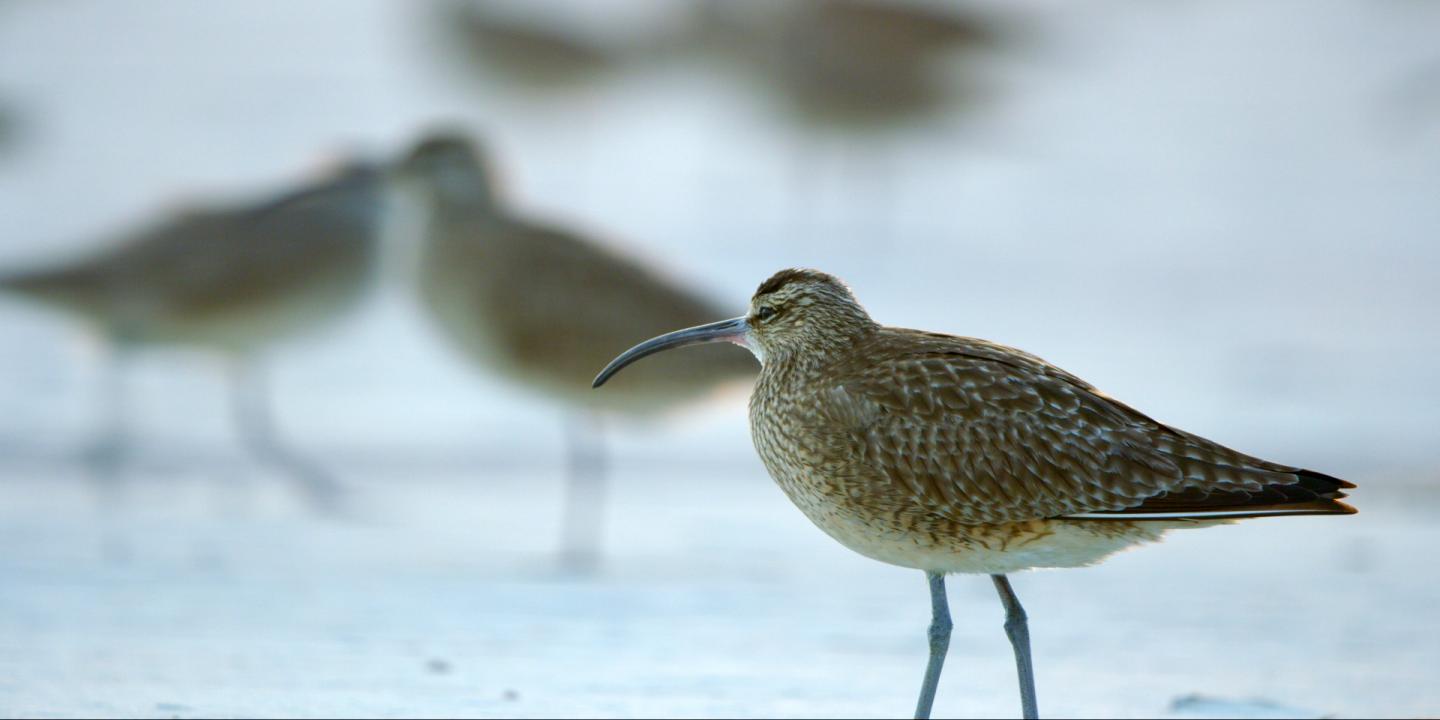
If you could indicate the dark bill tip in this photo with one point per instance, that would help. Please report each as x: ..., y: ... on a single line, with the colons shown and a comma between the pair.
x: 732, y: 330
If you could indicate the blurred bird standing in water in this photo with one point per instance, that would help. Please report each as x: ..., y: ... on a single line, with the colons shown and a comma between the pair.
x: 229, y: 279
x: 853, y: 78
x: 541, y: 306
x: 529, y: 53
x: 860, y: 64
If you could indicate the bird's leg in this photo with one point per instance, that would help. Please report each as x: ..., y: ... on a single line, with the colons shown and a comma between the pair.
x: 581, y: 525
x: 939, y: 643
x: 255, y: 421
x: 104, y: 455
x: 105, y: 452
x: 1018, y: 630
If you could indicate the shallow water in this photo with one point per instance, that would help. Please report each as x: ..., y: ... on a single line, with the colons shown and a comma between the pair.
x: 438, y: 597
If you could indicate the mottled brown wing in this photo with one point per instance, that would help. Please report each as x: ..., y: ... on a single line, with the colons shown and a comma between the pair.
x: 205, y: 262
x: 982, y: 434
x: 147, y: 262
x: 210, y: 259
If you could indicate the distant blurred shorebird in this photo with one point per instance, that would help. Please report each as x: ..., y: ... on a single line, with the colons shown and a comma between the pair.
x: 232, y: 279
x: 851, y: 78
x: 854, y: 62
x: 542, y: 306
x: 841, y: 73
x: 857, y: 63
x: 957, y: 455
x: 524, y: 52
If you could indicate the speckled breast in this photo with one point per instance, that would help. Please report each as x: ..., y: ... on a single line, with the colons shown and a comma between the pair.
x: 818, y: 475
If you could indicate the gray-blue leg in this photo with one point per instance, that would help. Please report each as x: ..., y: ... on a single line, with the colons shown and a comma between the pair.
x: 939, y: 643
x: 253, y: 417
x: 105, y: 454
x: 582, y: 523
x: 1017, y: 628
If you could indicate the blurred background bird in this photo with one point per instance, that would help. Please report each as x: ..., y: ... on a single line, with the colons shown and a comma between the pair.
x: 849, y: 78
x: 527, y: 46
x: 846, y: 78
x: 854, y: 63
x: 539, y: 304
x: 233, y: 279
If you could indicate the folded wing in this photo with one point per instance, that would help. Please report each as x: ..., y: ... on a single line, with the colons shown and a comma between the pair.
x: 981, y: 433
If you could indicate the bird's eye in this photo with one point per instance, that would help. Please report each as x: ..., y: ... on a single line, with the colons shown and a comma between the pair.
x: 765, y: 313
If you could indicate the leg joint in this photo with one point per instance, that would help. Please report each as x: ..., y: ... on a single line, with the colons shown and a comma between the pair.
x: 1015, y: 614
x: 940, y: 629
x: 1016, y: 627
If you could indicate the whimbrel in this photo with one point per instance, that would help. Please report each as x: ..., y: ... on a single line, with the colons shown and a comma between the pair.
x: 957, y: 455
x: 232, y: 279
x: 543, y: 307
x: 852, y: 63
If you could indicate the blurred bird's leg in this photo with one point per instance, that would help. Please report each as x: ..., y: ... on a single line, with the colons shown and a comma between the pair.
x: 254, y: 418
x: 1017, y: 628
x: 104, y: 454
x: 939, y: 643
x: 584, y: 512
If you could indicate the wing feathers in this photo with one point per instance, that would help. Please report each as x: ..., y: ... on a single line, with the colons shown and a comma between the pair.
x: 982, y: 434
x: 1309, y: 493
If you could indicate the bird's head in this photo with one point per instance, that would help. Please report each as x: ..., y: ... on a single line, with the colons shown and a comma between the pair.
x: 803, y: 311
x: 796, y: 313
x: 450, y: 166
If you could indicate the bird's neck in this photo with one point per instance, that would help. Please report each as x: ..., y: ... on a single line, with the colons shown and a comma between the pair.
x: 815, y: 353
x: 462, y: 194
x: 459, y: 219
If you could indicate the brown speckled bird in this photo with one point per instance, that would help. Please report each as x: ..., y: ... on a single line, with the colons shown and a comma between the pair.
x: 233, y: 279
x: 543, y: 307
x: 957, y: 455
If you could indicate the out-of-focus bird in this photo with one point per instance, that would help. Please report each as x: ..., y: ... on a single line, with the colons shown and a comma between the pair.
x: 554, y: 46
x: 854, y: 63
x: 522, y: 51
x: 852, y: 78
x: 541, y: 305
x: 233, y: 279
x: 957, y: 455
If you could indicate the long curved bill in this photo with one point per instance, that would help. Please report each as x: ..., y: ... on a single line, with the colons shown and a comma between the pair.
x: 732, y: 330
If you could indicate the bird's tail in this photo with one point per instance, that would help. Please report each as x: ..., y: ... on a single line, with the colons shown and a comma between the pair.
x: 1308, y: 493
